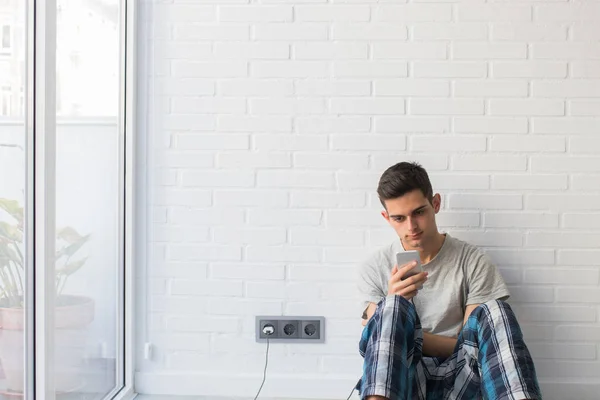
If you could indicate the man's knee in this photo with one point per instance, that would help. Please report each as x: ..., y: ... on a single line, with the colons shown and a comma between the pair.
x: 492, y: 307
x: 395, y: 308
x: 395, y: 304
x: 495, y: 313
x: 396, y: 318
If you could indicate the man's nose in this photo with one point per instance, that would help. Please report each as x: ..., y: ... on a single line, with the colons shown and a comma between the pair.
x: 411, y: 223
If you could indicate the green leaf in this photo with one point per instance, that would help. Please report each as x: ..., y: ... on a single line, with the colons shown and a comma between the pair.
x: 11, y: 236
x: 13, y: 208
x: 69, y: 235
x: 71, y: 267
x: 7, y: 252
x: 72, y: 248
x: 10, y: 232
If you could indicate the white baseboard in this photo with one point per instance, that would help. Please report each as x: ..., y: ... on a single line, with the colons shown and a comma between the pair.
x: 239, y: 386
x: 170, y: 386
x: 557, y: 390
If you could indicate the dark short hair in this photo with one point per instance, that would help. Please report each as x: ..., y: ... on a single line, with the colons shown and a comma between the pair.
x: 402, y: 178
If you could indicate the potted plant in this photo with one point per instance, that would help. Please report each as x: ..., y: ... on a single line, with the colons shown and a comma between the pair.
x: 73, y: 314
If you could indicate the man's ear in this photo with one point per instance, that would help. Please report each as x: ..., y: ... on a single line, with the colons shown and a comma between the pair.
x: 436, y: 202
x: 385, y: 215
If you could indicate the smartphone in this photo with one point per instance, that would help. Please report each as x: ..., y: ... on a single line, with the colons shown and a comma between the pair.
x: 407, y: 256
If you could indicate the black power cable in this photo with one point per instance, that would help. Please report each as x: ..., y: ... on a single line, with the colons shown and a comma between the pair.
x: 265, y: 371
x: 265, y: 375
x: 350, y: 395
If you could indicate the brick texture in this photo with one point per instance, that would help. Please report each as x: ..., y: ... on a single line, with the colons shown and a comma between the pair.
x: 270, y: 122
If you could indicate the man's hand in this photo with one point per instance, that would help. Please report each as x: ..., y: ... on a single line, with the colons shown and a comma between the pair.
x: 408, y: 287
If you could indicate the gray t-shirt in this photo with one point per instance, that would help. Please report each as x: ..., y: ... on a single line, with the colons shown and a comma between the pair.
x: 459, y: 275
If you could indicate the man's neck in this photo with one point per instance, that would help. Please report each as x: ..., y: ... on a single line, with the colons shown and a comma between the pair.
x: 429, y: 252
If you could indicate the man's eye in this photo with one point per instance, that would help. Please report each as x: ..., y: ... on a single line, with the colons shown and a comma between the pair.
x: 420, y: 212
x: 400, y: 219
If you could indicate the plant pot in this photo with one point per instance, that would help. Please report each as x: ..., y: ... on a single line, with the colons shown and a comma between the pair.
x: 73, y: 315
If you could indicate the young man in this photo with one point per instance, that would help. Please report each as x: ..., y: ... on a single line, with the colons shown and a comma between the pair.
x: 446, y: 332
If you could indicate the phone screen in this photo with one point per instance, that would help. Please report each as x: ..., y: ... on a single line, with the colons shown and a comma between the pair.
x: 406, y: 257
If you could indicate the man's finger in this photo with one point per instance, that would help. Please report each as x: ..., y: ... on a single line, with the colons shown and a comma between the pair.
x: 407, y: 267
x: 420, y: 277
x: 415, y: 281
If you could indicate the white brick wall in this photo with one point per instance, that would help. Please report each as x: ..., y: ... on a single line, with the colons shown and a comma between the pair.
x: 268, y: 123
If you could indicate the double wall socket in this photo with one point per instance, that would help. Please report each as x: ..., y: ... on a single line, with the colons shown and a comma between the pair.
x: 290, y: 329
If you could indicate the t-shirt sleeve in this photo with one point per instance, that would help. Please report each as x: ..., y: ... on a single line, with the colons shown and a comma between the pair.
x: 484, y: 280
x: 370, y: 286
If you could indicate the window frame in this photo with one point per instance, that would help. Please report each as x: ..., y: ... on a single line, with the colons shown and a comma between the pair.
x: 40, y: 225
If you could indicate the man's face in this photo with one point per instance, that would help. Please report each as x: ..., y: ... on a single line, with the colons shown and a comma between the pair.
x: 413, y: 218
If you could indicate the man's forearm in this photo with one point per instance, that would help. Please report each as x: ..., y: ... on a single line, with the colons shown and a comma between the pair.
x: 438, y: 346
